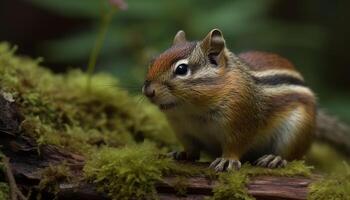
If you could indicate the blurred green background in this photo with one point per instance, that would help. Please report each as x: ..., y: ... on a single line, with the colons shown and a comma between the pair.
x: 313, y: 34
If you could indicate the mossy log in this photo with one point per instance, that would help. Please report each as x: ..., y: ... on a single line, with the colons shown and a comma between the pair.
x: 27, y: 165
x: 28, y: 160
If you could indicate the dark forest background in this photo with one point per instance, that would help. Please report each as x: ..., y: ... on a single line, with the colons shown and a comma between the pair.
x: 313, y: 34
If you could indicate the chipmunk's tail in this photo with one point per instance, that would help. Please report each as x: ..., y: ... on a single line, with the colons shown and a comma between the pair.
x: 332, y: 131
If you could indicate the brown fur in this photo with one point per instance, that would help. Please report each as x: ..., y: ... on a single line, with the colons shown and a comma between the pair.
x: 260, y: 61
x: 278, y: 106
x: 276, y: 103
x: 283, y: 104
x: 165, y: 60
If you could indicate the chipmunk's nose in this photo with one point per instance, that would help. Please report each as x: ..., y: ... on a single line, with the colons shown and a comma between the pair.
x: 148, y: 90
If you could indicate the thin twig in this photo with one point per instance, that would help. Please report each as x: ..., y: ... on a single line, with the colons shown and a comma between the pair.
x: 14, y: 191
x: 6, y: 132
x: 105, y: 22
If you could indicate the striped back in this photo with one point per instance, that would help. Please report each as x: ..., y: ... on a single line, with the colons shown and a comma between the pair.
x: 271, y: 69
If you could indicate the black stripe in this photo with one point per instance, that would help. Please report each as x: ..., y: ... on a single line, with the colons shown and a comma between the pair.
x: 278, y: 80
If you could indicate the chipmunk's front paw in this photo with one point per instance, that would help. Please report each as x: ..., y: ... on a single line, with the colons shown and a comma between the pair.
x: 182, y: 155
x: 224, y: 164
x: 271, y: 161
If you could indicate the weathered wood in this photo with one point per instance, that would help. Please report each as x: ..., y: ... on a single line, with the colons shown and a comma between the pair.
x: 267, y: 187
x: 80, y: 191
x: 195, y: 185
x: 262, y: 188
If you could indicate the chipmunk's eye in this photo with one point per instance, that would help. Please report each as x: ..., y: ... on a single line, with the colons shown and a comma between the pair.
x: 181, y: 70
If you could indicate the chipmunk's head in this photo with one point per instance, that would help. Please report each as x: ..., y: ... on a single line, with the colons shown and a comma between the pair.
x: 188, y: 72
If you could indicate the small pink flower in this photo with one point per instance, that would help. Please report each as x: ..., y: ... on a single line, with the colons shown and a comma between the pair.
x: 121, y: 4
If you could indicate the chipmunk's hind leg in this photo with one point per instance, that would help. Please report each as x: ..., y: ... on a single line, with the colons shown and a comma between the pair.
x: 191, y: 148
x: 271, y: 161
x: 184, y: 155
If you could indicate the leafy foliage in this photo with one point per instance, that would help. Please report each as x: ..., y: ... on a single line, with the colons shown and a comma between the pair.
x: 147, y: 28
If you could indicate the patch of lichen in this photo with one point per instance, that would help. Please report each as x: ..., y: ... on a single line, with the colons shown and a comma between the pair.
x: 51, y: 176
x: 127, y: 172
x: 232, y: 185
x: 59, y: 110
x: 333, y: 187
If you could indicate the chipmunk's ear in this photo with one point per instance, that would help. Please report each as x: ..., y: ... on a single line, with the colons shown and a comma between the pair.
x: 214, y: 42
x: 180, y: 37
x: 213, y: 45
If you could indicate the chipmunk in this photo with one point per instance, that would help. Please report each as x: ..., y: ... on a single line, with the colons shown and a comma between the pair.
x: 252, y: 107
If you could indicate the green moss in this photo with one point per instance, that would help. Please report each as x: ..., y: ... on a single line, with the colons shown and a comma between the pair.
x: 333, y: 187
x: 232, y: 185
x: 4, y: 191
x: 51, y: 176
x: 127, y: 172
x: 132, y: 171
x: 59, y: 110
